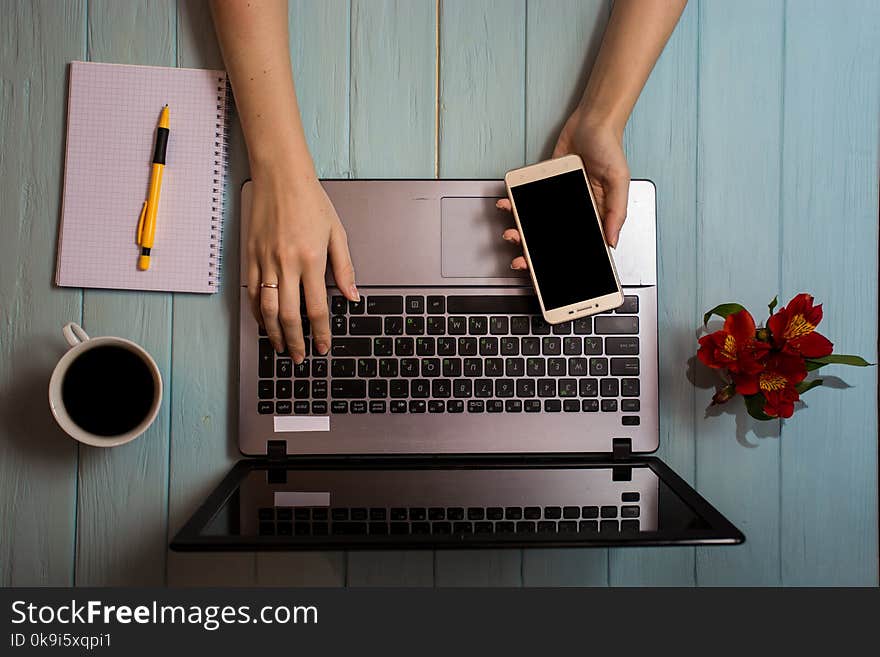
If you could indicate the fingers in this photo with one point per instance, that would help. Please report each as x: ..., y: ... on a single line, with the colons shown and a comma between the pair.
x: 269, y: 309
x: 615, y: 208
x: 289, y: 315
x: 511, y: 235
x: 504, y: 204
x: 316, y: 309
x: 340, y: 261
x: 253, y: 282
x: 519, y: 264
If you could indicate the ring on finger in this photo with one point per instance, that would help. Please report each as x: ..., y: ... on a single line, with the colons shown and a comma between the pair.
x: 273, y: 286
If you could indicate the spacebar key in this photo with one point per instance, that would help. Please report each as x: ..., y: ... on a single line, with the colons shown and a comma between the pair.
x: 348, y: 389
x: 351, y: 346
x: 495, y: 304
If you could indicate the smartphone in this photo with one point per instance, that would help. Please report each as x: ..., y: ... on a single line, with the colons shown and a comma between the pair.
x: 563, y: 240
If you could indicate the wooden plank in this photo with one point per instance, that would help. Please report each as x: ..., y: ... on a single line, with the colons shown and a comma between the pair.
x: 737, y: 243
x: 319, y: 39
x: 829, y: 238
x: 393, y: 105
x: 203, y: 379
x: 37, y: 460
x: 482, y: 135
x: 562, y: 39
x: 662, y: 129
x: 123, y: 504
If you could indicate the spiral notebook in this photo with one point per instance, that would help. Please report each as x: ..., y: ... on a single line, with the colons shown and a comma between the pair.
x: 111, y: 131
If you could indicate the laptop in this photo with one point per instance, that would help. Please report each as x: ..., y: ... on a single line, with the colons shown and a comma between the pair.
x: 448, y: 413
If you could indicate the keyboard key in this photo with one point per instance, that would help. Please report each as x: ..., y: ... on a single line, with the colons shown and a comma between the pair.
x: 452, y: 367
x: 266, y: 389
x: 547, y: 527
x: 265, y: 408
x: 319, y: 368
x: 399, y: 528
x: 284, y: 408
x: 567, y: 526
x: 398, y: 406
x: 625, y: 366
x: 357, y: 307
x: 568, y: 388
x: 514, y: 367
x: 301, y: 389
x: 536, y: 367
x: 441, y: 528
x: 415, y: 305
x: 377, y: 406
x: 446, y: 346
x: 630, y: 305
x: 572, y: 346
x: 609, y: 527
x: 494, y: 406
x: 583, y: 326
x: 551, y: 346
x: 409, y: 367
x: 420, y: 388
x: 483, y: 388
x: 552, y: 406
x: 488, y: 346
x: 415, y: 325
x: 266, y: 359
x: 577, y: 366
x: 546, y: 387
x: 352, y: 347
x: 510, y: 346
x: 532, y: 406
x: 283, y: 389
x: 556, y: 366
x: 478, y: 325
x: 378, y: 389
x: 338, y: 305
x: 531, y: 346
x: 399, y: 388
x: 393, y: 325
x: 348, y: 389
x: 616, y: 324
x: 455, y: 513
x: 366, y: 368
x: 590, y: 405
x: 384, y: 305
x: 492, y: 305
x: 457, y: 326
x: 630, y: 388
x: 608, y: 512
x: 455, y: 406
x: 622, y: 346
x: 588, y: 526
x: 338, y: 325
x: 598, y: 367
x: 504, y: 388
x: 283, y: 368
x: 483, y: 528
x: 436, y: 406
x: 629, y: 511
x: 462, y: 528
x: 525, y: 388
x: 467, y: 346
x: 430, y: 367
x: 476, y: 513
x: 525, y: 527
x: 425, y: 346
x: 493, y: 367
x: 513, y: 513
x: 462, y: 388
x: 319, y: 407
x: 498, y: 325
x: 441, y: 388
x: 365, y: 326
x: 513, y: 406
x: 388, y: 367
x: 436, y: 305
x: 629, y: 526
x: 569, y: 512
x: 562, y: 329
x: 343, y: 367
x: 630, y: 420
x: 359, y: 406
x: 404, y: 346
x: 417, y: 406
x: 592, y: 346
x: 436, y: 325
x: 519, y: 325
x: 552, y: 512
x: 589, y: 512
x: 532, y: 513
x: 475, y: 406
x: 609, y: 387
x: 609, y: 405
x: 302, y: 370
x: 339, y: 407
x: 588, y: 387
x: 539, y: 326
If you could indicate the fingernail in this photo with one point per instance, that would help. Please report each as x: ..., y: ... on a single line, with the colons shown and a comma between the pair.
x: 322, y: 348
x: 354, y: 292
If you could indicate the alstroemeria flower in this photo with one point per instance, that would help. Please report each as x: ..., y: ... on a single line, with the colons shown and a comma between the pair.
x: 776, y: 382
x: 794, y: 328
x: 734, y: 347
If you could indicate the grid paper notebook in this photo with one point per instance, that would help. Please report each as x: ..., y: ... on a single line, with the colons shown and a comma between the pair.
x: 112, y: 114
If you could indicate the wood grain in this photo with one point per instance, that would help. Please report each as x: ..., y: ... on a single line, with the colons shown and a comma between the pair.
x: 662, y: 129
x: 37, y: 460
x: 829, y: 248
x: 393, y: 106
x: 123, y: 504
x: 737, y: 245
x: 561, y: 43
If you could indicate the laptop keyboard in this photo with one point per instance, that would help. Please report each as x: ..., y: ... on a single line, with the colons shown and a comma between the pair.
x: 440, y: 521
x: 458, y: 354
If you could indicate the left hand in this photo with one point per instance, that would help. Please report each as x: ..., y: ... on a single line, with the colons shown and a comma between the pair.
x: 600, y: 146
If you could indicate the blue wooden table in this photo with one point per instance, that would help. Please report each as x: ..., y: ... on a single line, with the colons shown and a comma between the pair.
x: 759, y: 126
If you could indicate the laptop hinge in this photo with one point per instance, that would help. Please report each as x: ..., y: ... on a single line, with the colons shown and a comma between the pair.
x: 621, y: 448
x: 276, y: 450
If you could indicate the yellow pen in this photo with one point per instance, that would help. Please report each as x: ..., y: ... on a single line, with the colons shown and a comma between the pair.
x: 146, y: 230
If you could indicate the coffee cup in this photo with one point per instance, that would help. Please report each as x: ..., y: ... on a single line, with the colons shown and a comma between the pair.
x: 104, y: 391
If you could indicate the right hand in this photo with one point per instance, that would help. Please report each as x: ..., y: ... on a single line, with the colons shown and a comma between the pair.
x: 292, y: 229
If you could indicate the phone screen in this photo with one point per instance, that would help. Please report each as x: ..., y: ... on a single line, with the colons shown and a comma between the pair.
x: 565, y: 244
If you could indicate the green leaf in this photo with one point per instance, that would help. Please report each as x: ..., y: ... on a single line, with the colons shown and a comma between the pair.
x: 773, y: 303
x: 813, y: 364
x: 803, y: 386
x: 722, y: 310
x: 755, y: 407
x: 842, y: 359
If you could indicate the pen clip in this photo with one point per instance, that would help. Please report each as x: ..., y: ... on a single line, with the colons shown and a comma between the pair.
x: 140, y: 226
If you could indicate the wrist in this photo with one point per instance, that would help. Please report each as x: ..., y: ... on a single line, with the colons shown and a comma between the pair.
x: 601, y: 119
x: 282, y: 159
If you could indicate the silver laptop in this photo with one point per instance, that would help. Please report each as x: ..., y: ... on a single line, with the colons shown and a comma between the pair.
x: 448, y: 413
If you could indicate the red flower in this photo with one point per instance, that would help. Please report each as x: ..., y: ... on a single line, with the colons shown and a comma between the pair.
x: 776, y: 383
x: 734, y: 347
x: 794, y: 328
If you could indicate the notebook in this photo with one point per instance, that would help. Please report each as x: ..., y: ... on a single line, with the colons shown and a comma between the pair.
x: 111, y: 131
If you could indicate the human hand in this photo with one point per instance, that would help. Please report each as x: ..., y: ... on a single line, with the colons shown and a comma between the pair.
x: 292, y: 229
x: 600, y: 147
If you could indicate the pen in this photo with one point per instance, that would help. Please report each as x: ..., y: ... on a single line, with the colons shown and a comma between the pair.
x: 146, y: 230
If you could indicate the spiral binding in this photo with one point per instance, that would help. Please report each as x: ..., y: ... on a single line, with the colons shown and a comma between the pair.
x: 220, y: 179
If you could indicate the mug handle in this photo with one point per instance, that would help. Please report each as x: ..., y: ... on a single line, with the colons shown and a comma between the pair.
x: 74, y: 334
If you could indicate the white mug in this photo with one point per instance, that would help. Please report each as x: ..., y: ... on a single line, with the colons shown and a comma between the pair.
x: 80, y: 342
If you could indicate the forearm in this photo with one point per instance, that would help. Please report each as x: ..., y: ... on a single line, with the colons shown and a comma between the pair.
x: 253, y: 38
x: 635, y: 36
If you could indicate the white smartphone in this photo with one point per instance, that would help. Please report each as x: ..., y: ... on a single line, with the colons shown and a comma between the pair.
x: 562, y: 237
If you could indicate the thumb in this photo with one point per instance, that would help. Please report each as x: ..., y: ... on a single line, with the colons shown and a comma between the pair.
x: 616, y: 200
x: 340, y: 262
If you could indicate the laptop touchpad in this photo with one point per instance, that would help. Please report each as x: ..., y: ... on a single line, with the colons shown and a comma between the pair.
x: 471, y: 243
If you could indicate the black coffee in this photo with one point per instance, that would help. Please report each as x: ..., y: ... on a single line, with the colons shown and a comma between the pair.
x: 108, y: 390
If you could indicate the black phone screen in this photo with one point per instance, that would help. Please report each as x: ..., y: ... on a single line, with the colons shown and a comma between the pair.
x: 565, y: 244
